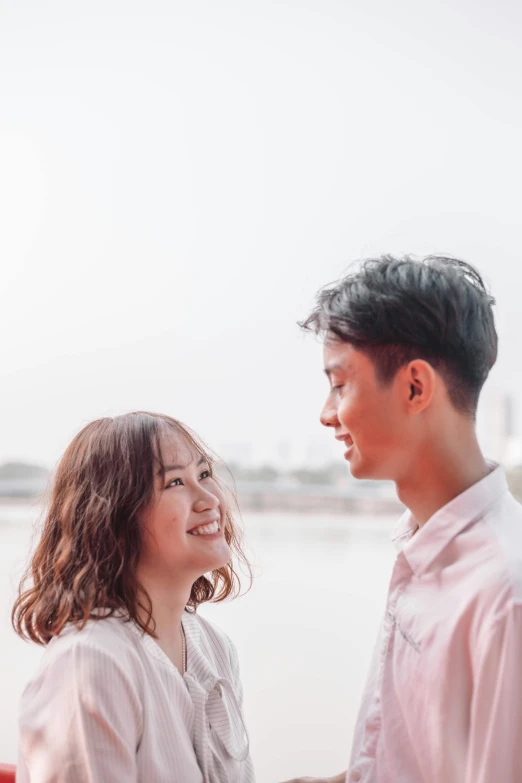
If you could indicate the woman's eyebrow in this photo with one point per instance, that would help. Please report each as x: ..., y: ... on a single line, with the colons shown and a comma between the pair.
x: 169, y: 468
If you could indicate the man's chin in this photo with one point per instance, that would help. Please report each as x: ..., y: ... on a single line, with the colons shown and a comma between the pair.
x: 363, y: 470
x: 360, y: 469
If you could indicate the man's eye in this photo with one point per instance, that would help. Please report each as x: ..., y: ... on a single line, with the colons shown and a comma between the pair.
x: 336, y: 388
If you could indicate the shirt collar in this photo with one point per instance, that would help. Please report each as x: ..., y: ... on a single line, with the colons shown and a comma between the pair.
x: 467, y: 508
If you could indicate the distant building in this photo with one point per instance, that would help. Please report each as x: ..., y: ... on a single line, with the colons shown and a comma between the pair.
x: 237, y: 452
x: 496, y: 427
x: 513, y: 457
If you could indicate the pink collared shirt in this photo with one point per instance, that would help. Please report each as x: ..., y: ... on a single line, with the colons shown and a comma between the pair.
x: 443, y: 700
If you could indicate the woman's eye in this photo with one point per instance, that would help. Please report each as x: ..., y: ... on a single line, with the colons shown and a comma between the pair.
x: 175, y: 483
x: 206, y: 474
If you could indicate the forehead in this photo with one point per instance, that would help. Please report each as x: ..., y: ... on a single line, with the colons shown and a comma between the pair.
x: 176, y: 449
x: 340, y: 357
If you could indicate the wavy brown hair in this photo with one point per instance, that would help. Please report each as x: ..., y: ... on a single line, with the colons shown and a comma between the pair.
x: 89, y: 549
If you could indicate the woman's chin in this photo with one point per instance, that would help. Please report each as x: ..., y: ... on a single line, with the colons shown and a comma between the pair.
x: 217, y: 559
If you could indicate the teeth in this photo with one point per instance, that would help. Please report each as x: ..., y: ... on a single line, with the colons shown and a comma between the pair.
x: 206, y: 530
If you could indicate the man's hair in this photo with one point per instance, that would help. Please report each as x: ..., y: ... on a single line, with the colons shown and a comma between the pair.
x: 396, y: 310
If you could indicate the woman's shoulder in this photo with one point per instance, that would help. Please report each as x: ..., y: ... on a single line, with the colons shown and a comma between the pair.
x: 104, y: 642
x: 85, y: 669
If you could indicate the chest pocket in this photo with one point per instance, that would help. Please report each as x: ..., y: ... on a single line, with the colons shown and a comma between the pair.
x: 413, y: 663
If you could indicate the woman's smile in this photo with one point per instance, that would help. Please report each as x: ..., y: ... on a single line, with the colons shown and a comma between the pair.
x: 208, y: 529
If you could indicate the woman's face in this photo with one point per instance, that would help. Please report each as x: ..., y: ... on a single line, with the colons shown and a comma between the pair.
x: 183, y: 527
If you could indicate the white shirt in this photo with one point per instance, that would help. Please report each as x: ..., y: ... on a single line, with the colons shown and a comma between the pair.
x: 443, y: 702
x: 108, y: 706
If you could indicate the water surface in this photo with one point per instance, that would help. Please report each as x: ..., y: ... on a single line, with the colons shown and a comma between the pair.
x: 304, y: 633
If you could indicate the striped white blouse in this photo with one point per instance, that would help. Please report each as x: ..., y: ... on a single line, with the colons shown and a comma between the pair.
x: 107, y: 706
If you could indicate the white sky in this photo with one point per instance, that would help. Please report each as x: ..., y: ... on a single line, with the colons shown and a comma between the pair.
x: 178, y: 178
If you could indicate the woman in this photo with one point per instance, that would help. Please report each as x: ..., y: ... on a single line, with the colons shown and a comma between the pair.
x: 133, y: 685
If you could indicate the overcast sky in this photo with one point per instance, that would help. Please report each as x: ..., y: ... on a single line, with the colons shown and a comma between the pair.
x: 177, y: 179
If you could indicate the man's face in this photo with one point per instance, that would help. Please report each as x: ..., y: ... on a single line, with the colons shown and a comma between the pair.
x: 369, y: 417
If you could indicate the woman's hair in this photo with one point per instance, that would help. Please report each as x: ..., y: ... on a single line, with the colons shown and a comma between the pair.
x: 399, y: 309
x: 89, y: 550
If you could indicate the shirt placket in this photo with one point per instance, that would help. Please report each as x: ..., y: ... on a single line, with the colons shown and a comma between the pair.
x: 363, y: 769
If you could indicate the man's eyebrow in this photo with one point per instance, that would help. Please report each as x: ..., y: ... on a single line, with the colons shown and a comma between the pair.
x: 333, y: 368
x: 170, y: 468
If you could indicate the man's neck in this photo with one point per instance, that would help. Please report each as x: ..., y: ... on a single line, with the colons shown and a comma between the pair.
x: 440, y: 474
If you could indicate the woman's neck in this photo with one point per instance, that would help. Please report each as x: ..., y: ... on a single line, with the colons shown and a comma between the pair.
x: 168, y: 604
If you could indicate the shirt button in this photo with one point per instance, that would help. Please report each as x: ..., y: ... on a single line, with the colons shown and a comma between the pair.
x: 356, y: 775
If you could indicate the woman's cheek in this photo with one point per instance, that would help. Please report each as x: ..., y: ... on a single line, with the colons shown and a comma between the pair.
x: 216, y: 490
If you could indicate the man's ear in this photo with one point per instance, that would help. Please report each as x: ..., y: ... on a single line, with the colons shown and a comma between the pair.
x: 419, y: 382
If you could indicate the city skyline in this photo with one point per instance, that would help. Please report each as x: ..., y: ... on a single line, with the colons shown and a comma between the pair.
x: 497, y: 430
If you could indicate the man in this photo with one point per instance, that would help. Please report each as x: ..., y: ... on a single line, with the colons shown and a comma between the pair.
x: 408, y: 345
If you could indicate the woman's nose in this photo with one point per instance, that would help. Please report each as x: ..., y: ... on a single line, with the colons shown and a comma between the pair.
x: 207, y: 500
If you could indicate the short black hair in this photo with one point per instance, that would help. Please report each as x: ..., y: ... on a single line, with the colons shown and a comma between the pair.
x: 396, y: 309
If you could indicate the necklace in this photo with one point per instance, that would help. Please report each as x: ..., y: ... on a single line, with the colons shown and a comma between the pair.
x: 183, y: 649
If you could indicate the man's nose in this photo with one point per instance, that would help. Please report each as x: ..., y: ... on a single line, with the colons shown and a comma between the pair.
x: 328, y: 417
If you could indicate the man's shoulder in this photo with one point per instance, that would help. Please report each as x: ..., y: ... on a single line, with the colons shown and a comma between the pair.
x: 503, y: 526
x: 489, y: 560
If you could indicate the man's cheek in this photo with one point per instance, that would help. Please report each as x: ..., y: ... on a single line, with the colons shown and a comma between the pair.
x: 345, y: 415
x: 351, y: 409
